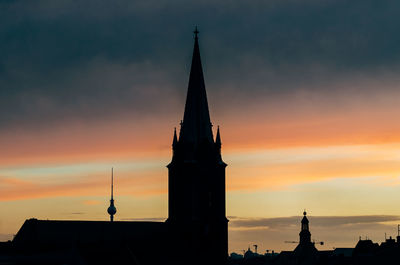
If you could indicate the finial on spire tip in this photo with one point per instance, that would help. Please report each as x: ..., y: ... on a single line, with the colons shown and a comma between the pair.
x: 196, y: 32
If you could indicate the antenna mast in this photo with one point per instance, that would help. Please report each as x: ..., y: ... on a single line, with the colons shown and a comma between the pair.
x: 112, y: 210
x: 112, y: 183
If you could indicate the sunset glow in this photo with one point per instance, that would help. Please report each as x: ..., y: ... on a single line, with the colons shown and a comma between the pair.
x: 308, y: 111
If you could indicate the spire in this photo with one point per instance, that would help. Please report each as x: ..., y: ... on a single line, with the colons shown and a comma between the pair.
x: 112, y: 210
x: 112, y: 183
x: 196, y: 125
x: 196, y: 33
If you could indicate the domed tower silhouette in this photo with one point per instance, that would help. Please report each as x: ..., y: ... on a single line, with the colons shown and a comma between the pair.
x: 305, y: 235
x: 305, y: 253
x: 112, y: 210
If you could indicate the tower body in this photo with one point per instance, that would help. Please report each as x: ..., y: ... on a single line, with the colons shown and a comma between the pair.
x: 305, y: 235
x: 196, y: 178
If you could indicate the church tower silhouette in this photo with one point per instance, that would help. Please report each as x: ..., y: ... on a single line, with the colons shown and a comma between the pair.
x: 305, y: 235
x: 196, y: 175
x: 305, y: 252
x: 196, y: 231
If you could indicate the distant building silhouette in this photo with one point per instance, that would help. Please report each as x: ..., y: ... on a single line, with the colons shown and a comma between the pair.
x: 365, y: 252
x: 305, y: 252
x: 196, y: 231
x: 368, y: 252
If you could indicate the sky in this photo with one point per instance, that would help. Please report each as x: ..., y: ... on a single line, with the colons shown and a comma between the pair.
x: 306, y: 94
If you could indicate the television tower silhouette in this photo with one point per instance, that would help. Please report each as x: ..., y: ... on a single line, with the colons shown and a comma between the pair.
x: 112, y: 210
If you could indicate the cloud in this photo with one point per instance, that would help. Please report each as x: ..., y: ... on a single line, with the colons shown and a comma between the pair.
x: 142, y: 183
x: 305, y: 73
x: 97, y: 59
x: 334, y: 169
x: 280, y: 169
x: 317, y: 221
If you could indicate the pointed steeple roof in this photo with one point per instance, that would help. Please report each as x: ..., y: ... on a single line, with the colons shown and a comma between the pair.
x: 196, y: 125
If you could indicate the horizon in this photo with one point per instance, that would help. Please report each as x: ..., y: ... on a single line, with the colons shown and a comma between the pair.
x: 307, y: 113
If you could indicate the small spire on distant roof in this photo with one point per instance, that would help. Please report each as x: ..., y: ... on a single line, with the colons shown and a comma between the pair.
x: 196, y: 32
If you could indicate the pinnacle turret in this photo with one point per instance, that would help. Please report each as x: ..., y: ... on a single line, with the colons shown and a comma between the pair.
x: 218, y: 138
x: 175, y: 140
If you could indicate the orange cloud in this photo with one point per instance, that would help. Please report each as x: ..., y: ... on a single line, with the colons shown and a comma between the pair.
x: 134, y: 184
x: 266, y: 173
x: 263, y: 170
x: 82, y: 142
x: 363, y: 126
x: 302, y: 119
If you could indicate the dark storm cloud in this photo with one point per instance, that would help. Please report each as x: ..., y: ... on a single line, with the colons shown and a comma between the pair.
x: 65, y: 59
